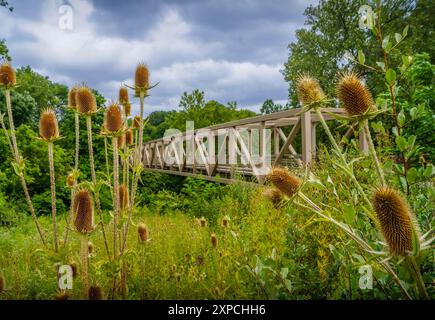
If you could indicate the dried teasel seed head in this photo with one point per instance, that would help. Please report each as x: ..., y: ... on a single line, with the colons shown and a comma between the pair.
x: 8, y: 78
x: 48, y: 127
x: 202, y: 222
x: 123, y: 95
x: 95, y: 293
x: 309, y: 90
x: 214, y: 240
x: 83, y: 210
x: 90, y: 247
x: 274, y: 195
x: 141, y: 77
x: 395, y: 220
x: 127, y: 109
x: 121, y: 141
x: 74, y: 268
x: 129, y: 137
x: 113, y: 118
x: 61, y: 296
x: 85, y: 100
x: 353, y: 94
x: 226, y: 222
x: 72, y: 98
x: 123, y: 196
x: 2, y: 284
x: 142, y: 231
x: 286, y: 182
x: 70, y: 180
x: 136, y: 122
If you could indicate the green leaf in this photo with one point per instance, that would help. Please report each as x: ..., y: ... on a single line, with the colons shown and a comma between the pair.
x: 381, y: 65
x: 413, y: 175
x: 413, y: 112
x: 429, y: 171
x: 405, y: 31
x: 361, y: 57
x: 385, y: 42
x: 284, y: 273
x: 349, y: 213
x: 390, y: 76
x: 398, y: 37
x: 401, y: 118
x: 401, y: 143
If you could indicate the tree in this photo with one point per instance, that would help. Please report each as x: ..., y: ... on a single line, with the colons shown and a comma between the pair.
x: 270, y: 107
x: 333, y: 32
x: 4, y: 3
x: 4, y: 51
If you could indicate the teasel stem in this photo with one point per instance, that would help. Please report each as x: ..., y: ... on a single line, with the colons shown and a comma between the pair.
x: 84, y: 252
x: 106, y: 154
x: 94, y: 181
x: 414, y: 270
x: 363, y: 244
x: 343, y: 159
x: 137, y: 172
x: 53, y: 194
x: 372, y: 150
x: 76, y: 167
x: 115, y: 194
x: 16, y: 156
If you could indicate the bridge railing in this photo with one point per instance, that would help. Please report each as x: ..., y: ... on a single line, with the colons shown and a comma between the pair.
x: 247, y: 147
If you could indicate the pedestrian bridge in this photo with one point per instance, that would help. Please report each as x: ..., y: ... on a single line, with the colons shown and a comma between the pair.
x: 241, y: 149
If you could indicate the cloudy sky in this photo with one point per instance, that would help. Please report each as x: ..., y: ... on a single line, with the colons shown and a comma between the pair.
x: 233, y: 50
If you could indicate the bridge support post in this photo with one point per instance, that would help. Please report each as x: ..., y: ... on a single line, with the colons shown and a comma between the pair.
x: 306, y: 129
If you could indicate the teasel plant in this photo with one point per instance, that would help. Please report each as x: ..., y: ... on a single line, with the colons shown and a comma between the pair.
x: 114, y: 128
x: 49, y: 132
x: 8, y: 82
x: 83, y: 209
x: 393, y: 219
x: 143, y: 239
x: 73, y: 176
x: 141, y: 88
x: 87, y: 106
x: 312, y: 96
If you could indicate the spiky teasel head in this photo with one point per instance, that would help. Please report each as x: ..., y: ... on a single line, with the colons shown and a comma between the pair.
x: 95, y: 293
x: 123, y: 196
x: 90, y: 247
x: 129, y: 137
x: 61, y: 296
x: 136, y: 122
x: 285, y: 181
x: 309, y: 90
x: 395, y: 220
x: 121, y: 141
x: 2, y: 284
x: 72, y: 98
x: 86, y: 101
x: 48, y: 126
x: 274, y: 195
x: 74, y: 268
x: 127, y: 109
x: 113, y: 118
x: 142, y: 232
x: 8, y: 78
x: 83, y: 210
x: 226, y: 221
x: 70, y: 180
x: 214, y: 240
x: 141, y: 78
x: 202, y: 222
x: 353, y: 94
x: 123, y: 95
